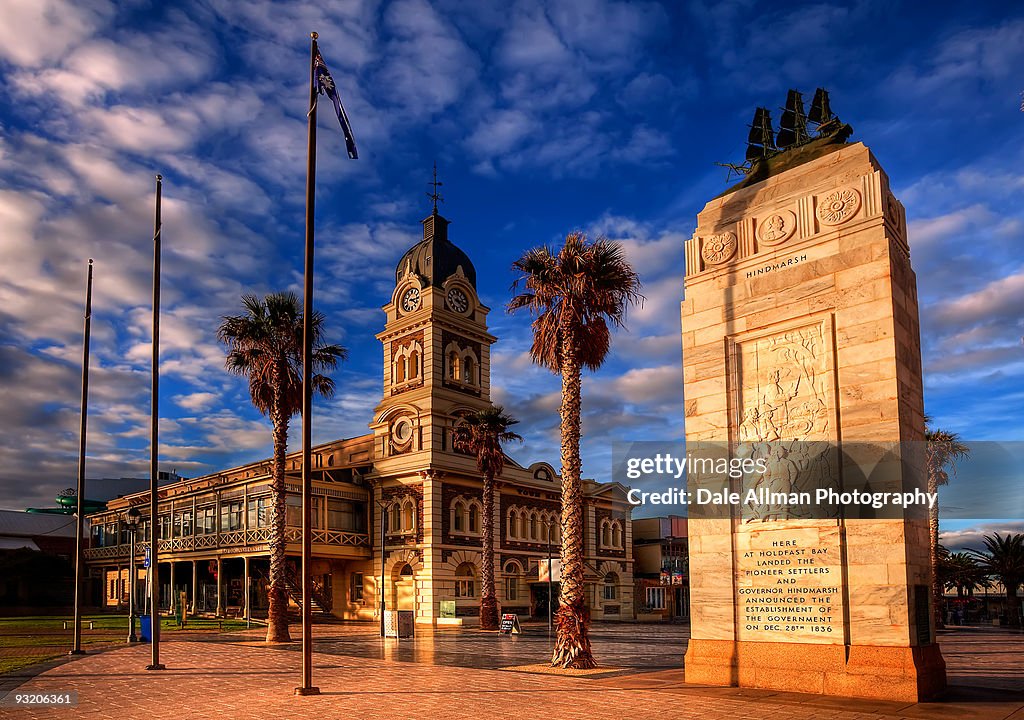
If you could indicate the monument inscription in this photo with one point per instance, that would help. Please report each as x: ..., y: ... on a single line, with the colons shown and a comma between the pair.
x: 789, y: 585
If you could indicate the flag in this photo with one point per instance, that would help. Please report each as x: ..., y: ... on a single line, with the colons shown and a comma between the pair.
x: 325, y: 86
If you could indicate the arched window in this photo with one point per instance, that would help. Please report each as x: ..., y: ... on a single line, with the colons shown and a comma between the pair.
x: 414, y: 365
x: 396, y: 518
x: 465, y: 581
x: 512, y: 573
x: 510, y: 523
x: 400, y: 369
x: 459, y: 517
x: 409, y: 516
x: 610, y: 588
x: 616, y: 534
x: 606, y: 534
x: 467, y: 370
x: 474, y: 518
x: 453, y: 365
x: 534, y: 527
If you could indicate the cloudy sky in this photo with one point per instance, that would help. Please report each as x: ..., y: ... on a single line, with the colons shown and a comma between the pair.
x: 543, y: 117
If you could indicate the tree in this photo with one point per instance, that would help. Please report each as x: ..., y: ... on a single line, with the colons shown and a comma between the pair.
x: 265, y: 345
x: 962, y: 572
x: 482, y: 434
x: 943, y: 449
x: 1004, y: 559
x: 573, y: 294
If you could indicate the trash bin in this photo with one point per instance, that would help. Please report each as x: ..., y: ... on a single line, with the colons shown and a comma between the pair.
x: 146, y: 628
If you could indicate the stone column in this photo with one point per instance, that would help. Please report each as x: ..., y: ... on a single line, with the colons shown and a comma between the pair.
x: 245, y: 583
x: 170, y: 579
x: 220, y: 585
x: 195, y: 582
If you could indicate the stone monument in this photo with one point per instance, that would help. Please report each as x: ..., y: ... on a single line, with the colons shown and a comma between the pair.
x: 800, y: 322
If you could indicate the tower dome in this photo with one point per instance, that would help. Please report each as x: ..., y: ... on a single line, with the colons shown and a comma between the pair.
x: 435, y: 258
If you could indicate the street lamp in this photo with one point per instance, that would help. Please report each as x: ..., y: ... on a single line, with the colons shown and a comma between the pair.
x: 383, y: 527
x: 549, y: 524
x: 131, y: 520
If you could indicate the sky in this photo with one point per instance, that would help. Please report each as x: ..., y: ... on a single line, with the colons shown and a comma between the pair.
x: 542, y: 117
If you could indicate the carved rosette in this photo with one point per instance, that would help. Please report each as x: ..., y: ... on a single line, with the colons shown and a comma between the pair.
x: 716, y: 249
x: 839, y: 206
x: 777, y: 228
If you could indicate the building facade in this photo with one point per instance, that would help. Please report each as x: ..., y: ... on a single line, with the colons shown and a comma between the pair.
x: 404, y: 478
x: 661, y: 569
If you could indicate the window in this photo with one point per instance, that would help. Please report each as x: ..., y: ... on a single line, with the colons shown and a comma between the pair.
x: 459, y: 521
x: 610, y: 589
x: 293, y: 511
x: 408, y: 516
x: 316, y: 506
x: 400, y: 369
x: 534, y: 527
x: 453, y: 365
x: 511, y: 588
x: 467, y: 370
x: 396, y: 519
x: 474, y: 519
x: 259, y: 512
x: 341, y: 515
x: 656, y: 598
x: 231, y: 516
x: 206, y: 520
x: 183, y: 524
x: 355, y: 591
x: 465, y: 581
x: 164, y: 528
x: 414, y: 365
x: 616, y: 535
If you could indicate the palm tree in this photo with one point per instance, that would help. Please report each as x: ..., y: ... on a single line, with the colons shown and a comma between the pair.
x: 943, y: 449
x: 962, y: 572
x: 573, y: 295
x: 265, y: 345
x: 1004, y: 560
x: 482, y: 434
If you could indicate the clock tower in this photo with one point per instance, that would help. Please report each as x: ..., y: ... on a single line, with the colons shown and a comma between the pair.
x: 436, y: 353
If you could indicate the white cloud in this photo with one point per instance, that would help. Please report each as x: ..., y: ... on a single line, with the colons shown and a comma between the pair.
x: 34, y: 32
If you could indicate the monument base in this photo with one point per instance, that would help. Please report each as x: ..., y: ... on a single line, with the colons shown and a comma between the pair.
x: 904, y: 674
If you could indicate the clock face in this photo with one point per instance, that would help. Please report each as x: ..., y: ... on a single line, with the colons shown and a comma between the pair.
x: 411, y: 299
x: 457, y: 300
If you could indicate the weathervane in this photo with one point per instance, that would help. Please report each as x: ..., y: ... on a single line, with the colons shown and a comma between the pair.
x: 435, y: 196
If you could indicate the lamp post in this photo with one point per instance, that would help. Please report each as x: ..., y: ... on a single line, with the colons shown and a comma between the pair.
x: 131, y: 520
x: 383, y: 527
x: 549, y: 524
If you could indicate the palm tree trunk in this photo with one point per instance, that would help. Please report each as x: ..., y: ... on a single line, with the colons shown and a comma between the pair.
x: 933, y: 543
x: 488, y: 601
x: 277, y: 610
x: 572, y: 643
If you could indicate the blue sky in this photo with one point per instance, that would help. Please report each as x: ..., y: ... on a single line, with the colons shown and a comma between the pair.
x: 543, y: 117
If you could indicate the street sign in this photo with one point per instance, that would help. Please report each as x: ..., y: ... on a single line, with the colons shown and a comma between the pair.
x: 556, y: 569
x: 510, y: 624
x: 145, y: 559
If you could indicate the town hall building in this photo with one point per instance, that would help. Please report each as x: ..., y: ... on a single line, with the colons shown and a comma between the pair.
x: 404, y: 477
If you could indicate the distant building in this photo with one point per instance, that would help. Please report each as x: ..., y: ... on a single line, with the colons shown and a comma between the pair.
x: 36, y: 560
x: 660, y: 569
x: 214, y: 530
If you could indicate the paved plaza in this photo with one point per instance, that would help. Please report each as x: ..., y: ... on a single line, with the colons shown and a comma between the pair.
x: 469, y: 674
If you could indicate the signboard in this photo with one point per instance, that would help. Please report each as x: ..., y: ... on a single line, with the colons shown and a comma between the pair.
x: 556, y: 569
x: 447, y: 608
x: 145, y: 559
x: 510, y: 624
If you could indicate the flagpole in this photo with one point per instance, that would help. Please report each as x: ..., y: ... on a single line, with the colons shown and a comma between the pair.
x: 154, y: 446
x: 307, y: 687
x: 76, y: 648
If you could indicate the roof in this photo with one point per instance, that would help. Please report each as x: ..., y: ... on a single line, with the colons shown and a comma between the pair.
x: 435, y: 258
x: 17, y: 544
x: 14, y: 523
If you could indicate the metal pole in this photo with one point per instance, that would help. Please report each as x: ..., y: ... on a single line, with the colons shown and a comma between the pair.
x: 76, y: 648
x: 307, y: 687
x: 383, y: 526
x: 549, y: 579
x: 154, y: 445
x: 131, y: 584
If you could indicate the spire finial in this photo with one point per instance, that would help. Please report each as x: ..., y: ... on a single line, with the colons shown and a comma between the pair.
x: 435, y: 196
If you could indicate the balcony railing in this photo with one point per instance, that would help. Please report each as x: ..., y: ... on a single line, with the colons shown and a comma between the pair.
x: 234, y: 538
